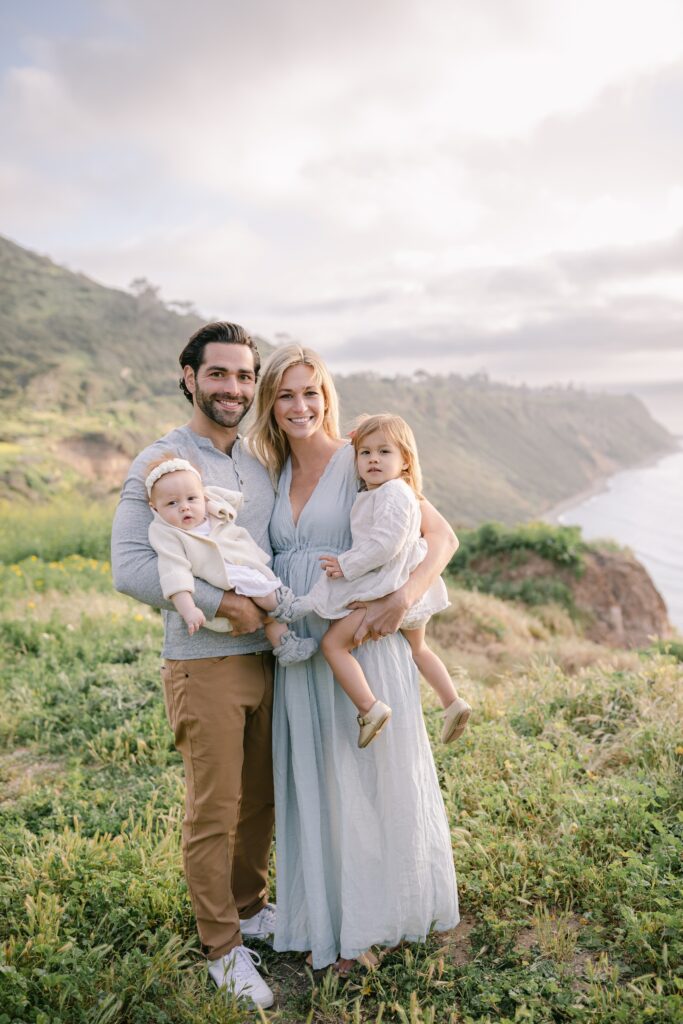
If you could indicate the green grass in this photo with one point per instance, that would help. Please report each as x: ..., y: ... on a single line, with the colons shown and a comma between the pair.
x: 488, y: 556
x: 560, y: 545
x: 55, y: 530
x: 564, y: 798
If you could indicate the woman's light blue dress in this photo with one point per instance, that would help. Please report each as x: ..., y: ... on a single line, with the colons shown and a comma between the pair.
x: 363, y: 846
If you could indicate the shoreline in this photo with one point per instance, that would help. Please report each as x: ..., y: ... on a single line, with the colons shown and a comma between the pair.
x: 553, y: 514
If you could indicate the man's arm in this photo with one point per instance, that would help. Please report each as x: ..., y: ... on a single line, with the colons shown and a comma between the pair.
x: 385, y: 615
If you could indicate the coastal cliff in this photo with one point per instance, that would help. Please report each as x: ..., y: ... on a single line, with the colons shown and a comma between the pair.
x: 91, y: 376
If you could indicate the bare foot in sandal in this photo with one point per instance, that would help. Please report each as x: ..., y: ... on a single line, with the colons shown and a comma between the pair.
x: 343, y: 967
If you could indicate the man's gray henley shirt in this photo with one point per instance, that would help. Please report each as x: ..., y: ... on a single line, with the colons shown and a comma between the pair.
x: 134, y: 561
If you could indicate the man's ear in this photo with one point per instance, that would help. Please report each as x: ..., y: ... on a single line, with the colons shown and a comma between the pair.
x: 188, y: 377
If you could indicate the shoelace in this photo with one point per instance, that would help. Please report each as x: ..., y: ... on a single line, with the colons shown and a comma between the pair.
x: 246, y: 960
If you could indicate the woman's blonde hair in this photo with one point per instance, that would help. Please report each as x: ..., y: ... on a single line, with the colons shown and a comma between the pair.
x: 396, y: 430
x: 270, y: 444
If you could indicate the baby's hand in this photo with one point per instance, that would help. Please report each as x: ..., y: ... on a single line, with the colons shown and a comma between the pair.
x: 331, y: 566
x: 195, y: 620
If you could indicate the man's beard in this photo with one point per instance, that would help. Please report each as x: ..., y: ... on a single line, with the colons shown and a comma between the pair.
x: 223, y: 417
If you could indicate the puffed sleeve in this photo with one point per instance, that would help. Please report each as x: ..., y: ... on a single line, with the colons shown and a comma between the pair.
x: 380, y: 535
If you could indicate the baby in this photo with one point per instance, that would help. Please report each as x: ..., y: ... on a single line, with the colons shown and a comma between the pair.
x: 387, y: 546
x: 194, y: 534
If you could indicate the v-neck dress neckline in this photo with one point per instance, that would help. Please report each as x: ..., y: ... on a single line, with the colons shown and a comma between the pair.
x: 288, y: 484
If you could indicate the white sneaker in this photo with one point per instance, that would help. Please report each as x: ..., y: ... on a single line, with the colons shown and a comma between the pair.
x: 236, y: 972
x: 260, y: 926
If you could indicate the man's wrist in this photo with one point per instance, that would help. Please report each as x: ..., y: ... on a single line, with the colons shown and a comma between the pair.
x: 229, y: 602
x: 208, y: 598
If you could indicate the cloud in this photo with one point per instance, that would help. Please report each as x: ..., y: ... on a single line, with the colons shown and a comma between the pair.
x: 479, y: 176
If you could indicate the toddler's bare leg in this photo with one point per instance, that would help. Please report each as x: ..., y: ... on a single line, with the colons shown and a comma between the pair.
x: 337, y: 645
x: 431, y: 666
x: 274, y: 631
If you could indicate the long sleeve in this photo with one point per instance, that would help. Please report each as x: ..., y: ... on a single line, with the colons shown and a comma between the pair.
x: 134, y: 561
x: 380, y: 535
x: 175, y: 568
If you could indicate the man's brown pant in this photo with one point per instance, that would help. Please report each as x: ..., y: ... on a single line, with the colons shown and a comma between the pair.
x: 220, y: 712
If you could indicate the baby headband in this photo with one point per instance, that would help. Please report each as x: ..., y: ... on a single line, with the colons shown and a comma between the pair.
x: 169, y: 466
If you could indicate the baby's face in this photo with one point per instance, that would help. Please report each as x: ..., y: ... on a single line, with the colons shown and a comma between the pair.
x: 179, y: 499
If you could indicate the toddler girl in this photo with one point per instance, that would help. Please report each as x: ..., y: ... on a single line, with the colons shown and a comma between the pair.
x: 385, y: 528
x: 194, y: 534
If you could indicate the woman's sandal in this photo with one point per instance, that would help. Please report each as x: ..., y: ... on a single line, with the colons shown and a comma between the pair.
x: 366, y: 960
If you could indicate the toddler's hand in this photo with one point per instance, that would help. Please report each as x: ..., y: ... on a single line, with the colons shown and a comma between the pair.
x: 195, y: 621
x: 331, y: 566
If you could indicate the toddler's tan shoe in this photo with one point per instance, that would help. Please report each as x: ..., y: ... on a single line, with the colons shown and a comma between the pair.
x: 372, y: 723
x: 454, y: 720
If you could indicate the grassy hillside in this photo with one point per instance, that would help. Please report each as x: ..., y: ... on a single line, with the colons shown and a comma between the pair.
x: 563, y: 798
x: 90, y: 375
x: 69, y: 344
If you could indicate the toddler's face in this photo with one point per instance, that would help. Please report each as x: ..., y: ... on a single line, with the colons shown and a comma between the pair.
x: 379, y: 460
x: 179, y: 499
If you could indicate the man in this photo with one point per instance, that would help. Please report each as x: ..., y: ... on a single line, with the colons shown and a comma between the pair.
x: 218, y: 687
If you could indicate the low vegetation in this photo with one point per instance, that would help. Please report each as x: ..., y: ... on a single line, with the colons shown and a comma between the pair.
x: 564, y: 800
x: 486, y: 556
x: 54, y: 531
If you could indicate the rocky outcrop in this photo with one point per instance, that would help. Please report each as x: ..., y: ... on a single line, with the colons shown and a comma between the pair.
x: 614, y: 601
x: 618, y: 601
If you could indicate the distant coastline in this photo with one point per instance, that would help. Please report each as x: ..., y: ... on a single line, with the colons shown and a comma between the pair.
x: 640, y: 508
x: 553, y: 514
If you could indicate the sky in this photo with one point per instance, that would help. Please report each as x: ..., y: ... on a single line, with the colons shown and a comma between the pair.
x: 449, y: 185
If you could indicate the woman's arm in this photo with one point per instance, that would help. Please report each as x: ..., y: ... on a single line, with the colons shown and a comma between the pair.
x: 385, y: 615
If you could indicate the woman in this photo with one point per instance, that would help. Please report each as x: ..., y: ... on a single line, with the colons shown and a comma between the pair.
x: 363, y: 845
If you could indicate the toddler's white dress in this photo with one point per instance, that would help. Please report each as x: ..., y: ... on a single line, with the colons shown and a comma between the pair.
x: 386, y: 547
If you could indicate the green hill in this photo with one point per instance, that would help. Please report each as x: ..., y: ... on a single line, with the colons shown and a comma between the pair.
x: 90, y: 374
x: 77, y: 344
x: 492, y: 451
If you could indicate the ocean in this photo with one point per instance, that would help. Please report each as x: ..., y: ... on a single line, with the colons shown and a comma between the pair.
x: 642, y: 509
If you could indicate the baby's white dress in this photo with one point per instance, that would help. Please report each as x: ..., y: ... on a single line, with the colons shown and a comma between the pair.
x: 387, y: 546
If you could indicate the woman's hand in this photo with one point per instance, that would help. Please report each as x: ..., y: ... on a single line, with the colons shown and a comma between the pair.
x: 332, y: 567
x: 382, y: 616
x: 243, y: 614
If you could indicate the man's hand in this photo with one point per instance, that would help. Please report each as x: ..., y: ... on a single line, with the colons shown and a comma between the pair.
x: 332, y: 567
x: 243, y: 614
x: 382, y: 616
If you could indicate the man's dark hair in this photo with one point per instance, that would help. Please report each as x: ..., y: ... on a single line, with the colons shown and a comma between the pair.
x: 222, y: 331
